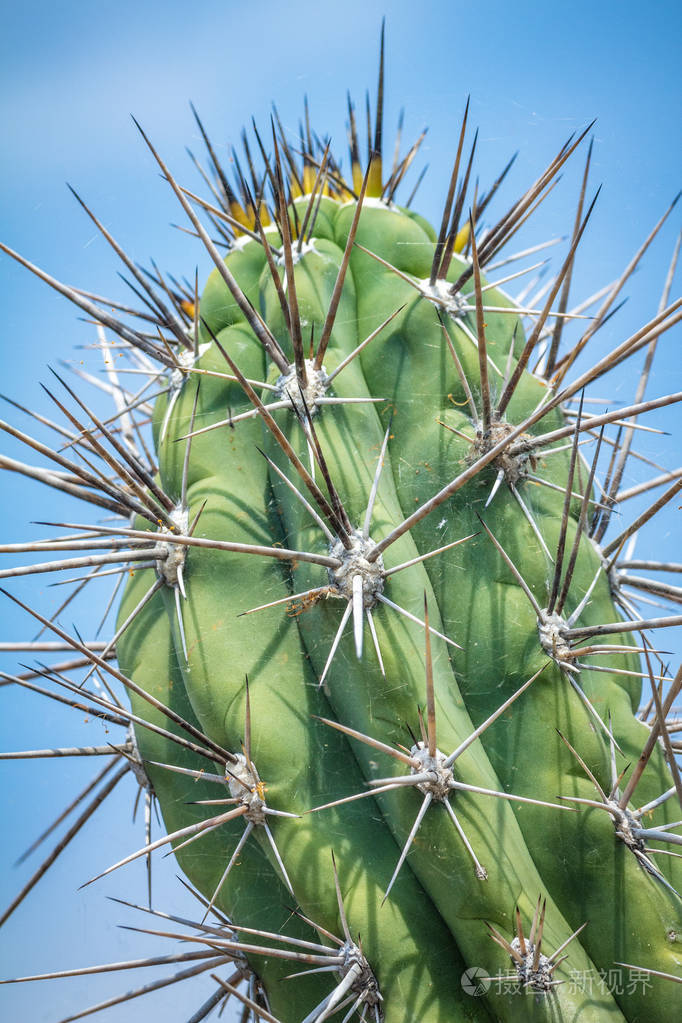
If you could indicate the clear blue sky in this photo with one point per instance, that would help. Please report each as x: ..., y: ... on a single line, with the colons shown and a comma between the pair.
x: 71, y: 75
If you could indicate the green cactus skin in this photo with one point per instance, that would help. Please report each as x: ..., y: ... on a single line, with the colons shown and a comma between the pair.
x: 491, y: 617
x: 194, y: 653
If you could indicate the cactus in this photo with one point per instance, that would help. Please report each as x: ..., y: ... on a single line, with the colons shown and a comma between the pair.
x: 382, y: 661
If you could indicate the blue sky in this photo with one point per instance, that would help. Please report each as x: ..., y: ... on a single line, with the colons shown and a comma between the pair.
x: 71, y: 75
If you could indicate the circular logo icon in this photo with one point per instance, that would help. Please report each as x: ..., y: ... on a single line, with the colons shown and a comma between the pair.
x: 475, y: 981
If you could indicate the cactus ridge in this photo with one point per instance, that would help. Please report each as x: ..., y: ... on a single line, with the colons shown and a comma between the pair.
x: 376, y: 658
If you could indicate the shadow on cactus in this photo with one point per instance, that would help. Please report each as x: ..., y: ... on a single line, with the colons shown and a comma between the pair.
x: 377, y: 658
